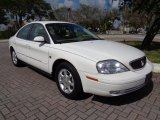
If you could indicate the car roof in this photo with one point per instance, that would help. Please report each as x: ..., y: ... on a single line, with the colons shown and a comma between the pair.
x: 48, y: 22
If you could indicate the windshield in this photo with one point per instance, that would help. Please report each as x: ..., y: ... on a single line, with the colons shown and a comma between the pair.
x: 66, y: 32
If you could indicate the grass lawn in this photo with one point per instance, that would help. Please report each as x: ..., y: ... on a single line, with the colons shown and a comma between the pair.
x: 153, y: 53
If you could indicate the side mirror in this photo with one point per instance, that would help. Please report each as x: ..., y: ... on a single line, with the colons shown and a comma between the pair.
x: 39, y: 39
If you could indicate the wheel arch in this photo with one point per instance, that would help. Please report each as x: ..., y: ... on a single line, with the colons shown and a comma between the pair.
x: 57, y: 62
x: 11, y: 48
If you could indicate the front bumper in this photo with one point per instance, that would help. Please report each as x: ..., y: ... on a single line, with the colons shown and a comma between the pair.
x: 116, y: 84
x: 125, y: 91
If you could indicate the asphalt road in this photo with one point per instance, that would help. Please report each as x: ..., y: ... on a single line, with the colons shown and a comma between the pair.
x: 27, y: 94
x: 127, y: 37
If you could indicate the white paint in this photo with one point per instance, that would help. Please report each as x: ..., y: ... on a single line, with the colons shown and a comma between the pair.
x: 84, y: 57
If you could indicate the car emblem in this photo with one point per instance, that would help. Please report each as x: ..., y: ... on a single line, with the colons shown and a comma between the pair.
x: 142, y: 63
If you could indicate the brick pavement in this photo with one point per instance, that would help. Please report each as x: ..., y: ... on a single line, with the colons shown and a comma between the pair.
x: 26, y: 94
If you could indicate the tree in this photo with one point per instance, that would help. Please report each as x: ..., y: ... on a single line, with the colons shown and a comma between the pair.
x: 107, y: 20
x: 84, y: 16
x: 2, y: 18
x: 40, y: 8
x: 125, y: 11
x: 151, y: 9
x: 61, y: 13
x: 85, y: 13
x: 137, y: 21
x: 21, y: 7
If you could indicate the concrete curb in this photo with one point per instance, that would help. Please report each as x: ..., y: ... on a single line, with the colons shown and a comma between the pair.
x: 156, y: 67
x: 5, y: 40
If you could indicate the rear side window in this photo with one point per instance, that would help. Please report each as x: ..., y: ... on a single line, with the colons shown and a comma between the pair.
x: 23, y: 33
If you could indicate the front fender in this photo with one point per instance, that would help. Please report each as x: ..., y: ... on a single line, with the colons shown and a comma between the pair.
x: 79, y: 62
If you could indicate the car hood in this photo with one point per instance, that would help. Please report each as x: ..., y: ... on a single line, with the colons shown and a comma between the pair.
x: 99, y: 50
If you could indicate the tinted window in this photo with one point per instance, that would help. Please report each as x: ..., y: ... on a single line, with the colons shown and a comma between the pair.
x: 65, y: 32
x: 23, y: 33
x: 38, y: 30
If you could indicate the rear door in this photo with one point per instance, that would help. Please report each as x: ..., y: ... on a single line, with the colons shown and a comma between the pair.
x: 21, y: 43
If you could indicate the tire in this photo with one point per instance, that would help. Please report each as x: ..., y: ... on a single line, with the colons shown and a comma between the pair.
x: 68, y: 81
x: 15, y: 60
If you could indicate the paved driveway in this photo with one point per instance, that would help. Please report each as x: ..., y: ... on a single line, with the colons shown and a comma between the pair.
x: 28, y: 94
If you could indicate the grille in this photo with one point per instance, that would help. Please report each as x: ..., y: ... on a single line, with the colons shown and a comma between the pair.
x: 138, y: 63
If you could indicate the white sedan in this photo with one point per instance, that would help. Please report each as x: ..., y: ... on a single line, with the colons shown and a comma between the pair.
x: 80, y: 61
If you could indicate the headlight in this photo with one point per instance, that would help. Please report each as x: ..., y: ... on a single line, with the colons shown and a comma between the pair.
x: 111, y: 67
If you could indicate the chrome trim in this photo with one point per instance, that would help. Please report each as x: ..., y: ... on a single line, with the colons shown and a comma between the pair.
x: 137, y: 60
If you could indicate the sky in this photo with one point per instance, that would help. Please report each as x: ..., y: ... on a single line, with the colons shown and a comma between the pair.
x: 101, y: 4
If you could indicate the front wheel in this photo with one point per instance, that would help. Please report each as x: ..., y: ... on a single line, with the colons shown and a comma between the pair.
x: 68, y: 81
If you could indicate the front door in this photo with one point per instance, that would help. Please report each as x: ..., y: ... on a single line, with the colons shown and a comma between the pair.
x: 39, y: 51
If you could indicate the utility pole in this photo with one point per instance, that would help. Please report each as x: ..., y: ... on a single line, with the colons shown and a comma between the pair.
x: 122, y: 9
x: 69, y: 14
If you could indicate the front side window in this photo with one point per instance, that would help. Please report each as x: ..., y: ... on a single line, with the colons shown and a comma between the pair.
x: 23, y: 33
x: 38, y: 30
x: 66, y: 32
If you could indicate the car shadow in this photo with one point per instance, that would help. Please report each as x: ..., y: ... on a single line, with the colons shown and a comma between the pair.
x: 128, y: 98
x: 117, y: 101
x: 44, y: 74
x: 83, y: 96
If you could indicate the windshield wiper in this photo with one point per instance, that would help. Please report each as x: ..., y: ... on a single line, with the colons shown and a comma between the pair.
x: 66, y: 41
x: 89, y: 39
x: 74, y: 40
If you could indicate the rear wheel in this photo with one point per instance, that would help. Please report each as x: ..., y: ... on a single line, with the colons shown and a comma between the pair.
x: 68, y: 81
x: 15, y: 60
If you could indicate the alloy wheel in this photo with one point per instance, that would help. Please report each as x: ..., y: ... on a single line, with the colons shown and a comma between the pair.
x: 66, y: 81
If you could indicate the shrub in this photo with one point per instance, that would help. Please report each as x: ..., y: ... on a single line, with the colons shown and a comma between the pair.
x: 6, y: 34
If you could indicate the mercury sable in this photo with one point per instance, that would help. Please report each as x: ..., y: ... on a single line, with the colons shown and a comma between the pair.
x: 78, y: 60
